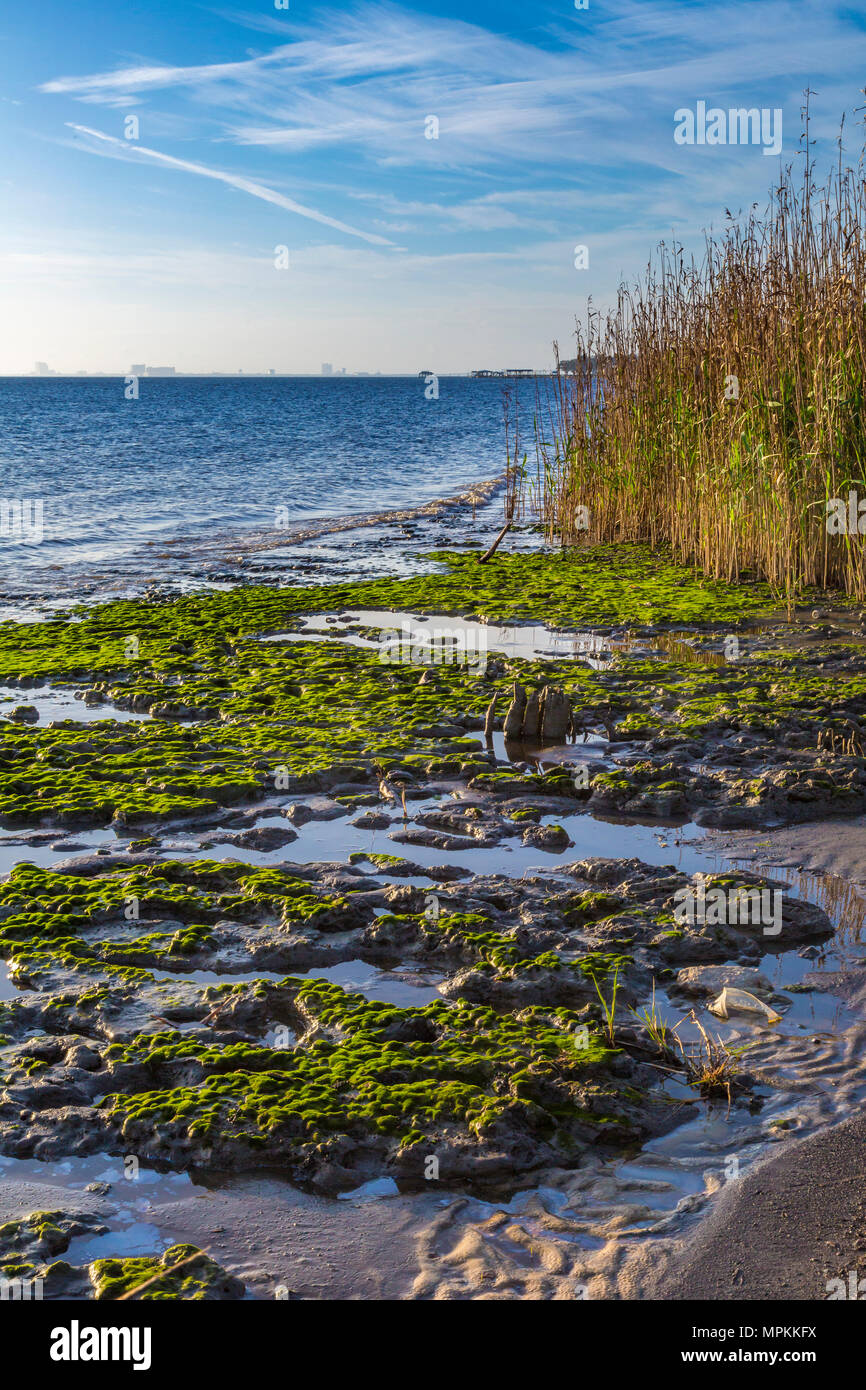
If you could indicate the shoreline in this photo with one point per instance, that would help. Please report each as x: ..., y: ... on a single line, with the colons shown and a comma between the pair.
x: 280, y: 888
x: 781, y: 1233
x: 200, y: 563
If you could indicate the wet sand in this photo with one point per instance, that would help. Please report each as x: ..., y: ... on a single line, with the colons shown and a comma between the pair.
x: 282, y: 1242
x: 784, y: 1231
x: 827, y: 846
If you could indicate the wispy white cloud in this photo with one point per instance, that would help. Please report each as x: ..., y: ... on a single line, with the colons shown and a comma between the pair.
x: 151, y: 76
x: 556, y: 132
x: 123, y: 149
x: 590, y: 91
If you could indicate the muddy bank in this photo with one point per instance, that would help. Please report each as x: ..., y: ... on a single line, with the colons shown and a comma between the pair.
x: 505, y: 1074
x: 792, y: 1229
x: 433, y: 930
x: 278, y: 1242
x: 835, y: 847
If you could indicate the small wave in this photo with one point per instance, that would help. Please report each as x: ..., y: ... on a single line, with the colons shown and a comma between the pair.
x: 477, y: 495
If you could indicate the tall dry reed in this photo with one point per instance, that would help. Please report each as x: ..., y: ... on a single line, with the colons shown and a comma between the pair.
x: 720, y: 406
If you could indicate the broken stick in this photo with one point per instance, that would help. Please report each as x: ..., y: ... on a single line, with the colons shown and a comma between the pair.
x: 487, y: 554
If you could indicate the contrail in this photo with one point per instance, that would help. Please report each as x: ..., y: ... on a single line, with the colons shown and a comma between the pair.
x: 257, y: 190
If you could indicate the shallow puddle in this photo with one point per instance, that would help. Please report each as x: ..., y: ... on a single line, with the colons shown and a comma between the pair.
x: 328, y: 841
x: 7, y: 989
x: 134, y: 1194
x: 406, y: 989
x: 440, y: 638
x: 54, y: 703
x: 51, y: 847
x: 445, y: 637
x: 129, y: 1183
x: 218, y: 977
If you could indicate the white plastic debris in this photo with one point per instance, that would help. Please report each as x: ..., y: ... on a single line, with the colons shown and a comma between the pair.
x: 371, y: 1191
x: 738, y: 1001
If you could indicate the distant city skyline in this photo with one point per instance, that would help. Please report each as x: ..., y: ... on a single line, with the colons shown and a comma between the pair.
x: 139, y: 369
x: 441, y: 184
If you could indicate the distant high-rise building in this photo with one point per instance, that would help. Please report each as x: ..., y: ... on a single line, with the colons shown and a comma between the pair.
x: 138, y: 369
x: 327, y: 369
x: 160, y: 371
x: 43, y: 369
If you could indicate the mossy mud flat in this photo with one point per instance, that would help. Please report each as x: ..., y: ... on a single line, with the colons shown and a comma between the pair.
x: 769, y: 733
x: 185, y: 1009
x: 31, y: 1266
x: 509, y: 1071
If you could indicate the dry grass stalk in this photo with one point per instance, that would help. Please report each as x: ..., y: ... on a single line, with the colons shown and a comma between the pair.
x: 722, y: 403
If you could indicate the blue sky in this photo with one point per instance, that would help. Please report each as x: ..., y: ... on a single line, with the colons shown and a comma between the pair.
x: 306, y: 128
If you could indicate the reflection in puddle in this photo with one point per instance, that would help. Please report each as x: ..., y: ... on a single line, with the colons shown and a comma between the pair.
x: 373, y: 1191
x: 128, y: 1194
x: 138, y: 1238
x: 537, y: 757
x: 56, y: 702
x: 366, y: 627
x: 147, y: 1186
x: 218, y: 977
x: 327, y: 841
x: 679, y: 646
x: 408, y: 989
x: 7, y: 988
x: 389, y: 987
x: 842, y: 900
x: 49, y: 847
x: 809, y: 1009
x: 527, y: 642
x: 667, y: 1184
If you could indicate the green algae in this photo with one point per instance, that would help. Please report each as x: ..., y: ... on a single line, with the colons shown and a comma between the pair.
x: 53, y: 919
x: 41, y: 1235
x: 624, y: 584
x: 354, y: 719
x: 470, y: 933
x: 242, y: 718
x: 201, y: 1278
x: 236, y: 718
x: 370, y: 1069
x: 382, y: 861
x: 257, y: 711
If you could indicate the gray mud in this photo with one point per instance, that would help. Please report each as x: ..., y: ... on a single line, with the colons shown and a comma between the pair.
x: 713, y: 1197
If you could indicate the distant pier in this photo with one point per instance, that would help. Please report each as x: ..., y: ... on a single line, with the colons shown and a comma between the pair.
x: 509, y: 371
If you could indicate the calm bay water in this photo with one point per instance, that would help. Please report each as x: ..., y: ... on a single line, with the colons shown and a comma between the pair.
x: 195, y: 459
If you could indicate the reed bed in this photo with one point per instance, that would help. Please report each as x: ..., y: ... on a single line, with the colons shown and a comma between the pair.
x: 719, y: 407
